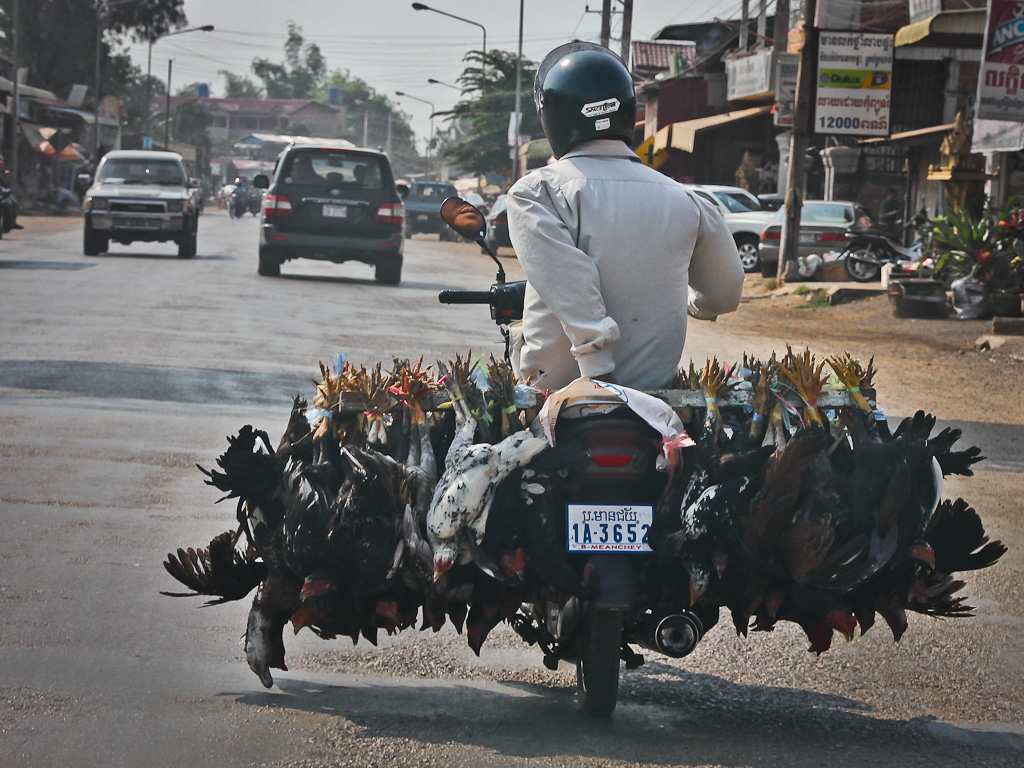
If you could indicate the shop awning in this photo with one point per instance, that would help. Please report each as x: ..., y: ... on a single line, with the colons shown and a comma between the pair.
x: 683, y: 135
x: 945, y: 30
x: 26, y: 90
x: 930, y: 135
x: 85, y: 117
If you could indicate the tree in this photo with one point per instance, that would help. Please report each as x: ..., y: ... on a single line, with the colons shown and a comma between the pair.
x: 490, y: 85
x: 240, y: 86
x: 57, y: 38
x: 191, y: 119
x: 128, y: 80
x: 362, y: 99
x: 299, y: 75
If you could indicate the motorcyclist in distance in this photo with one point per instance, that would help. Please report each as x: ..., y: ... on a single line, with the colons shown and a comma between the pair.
x: 615, y: 253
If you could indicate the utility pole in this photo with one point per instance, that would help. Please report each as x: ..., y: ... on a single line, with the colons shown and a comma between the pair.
x: 627, y: 28
x: 519, y: 96
x: 96, y: 107
x: 762, y: 24
x: 14, y: 96
x: 366, y: 127
x: 606, y: 22
x: 167, y: 122
x: 744, y: 23
x: 805, y: 86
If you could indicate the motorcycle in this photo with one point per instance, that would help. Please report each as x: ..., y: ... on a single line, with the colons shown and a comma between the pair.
x: 255, y: 202
x: 868, y: 250
x: 605, y: 511
x: 238, y: 204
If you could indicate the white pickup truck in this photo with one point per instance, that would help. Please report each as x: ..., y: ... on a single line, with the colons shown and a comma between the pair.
x: 139, y: 195
x: 743, y: 215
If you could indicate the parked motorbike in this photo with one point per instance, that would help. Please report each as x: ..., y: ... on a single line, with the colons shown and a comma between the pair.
x: 867, y: 251
x: 608, y: 455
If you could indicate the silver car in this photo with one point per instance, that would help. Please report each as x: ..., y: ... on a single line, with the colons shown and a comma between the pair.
x: 823, y: 228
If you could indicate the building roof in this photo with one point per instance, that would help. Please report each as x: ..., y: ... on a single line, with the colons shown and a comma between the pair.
x: 252, y: 107
x: 656, y: 56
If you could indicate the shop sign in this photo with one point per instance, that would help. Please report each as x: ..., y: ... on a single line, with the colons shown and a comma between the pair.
x: 787, y: 68
x: 749, y: 77
x: 1001, y: 82
x: 854, y: 76
x: 997, y: 136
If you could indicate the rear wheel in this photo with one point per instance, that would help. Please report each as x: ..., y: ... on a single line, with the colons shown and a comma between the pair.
x: 388, y: 273
x: 597, y: 668
x: 270, y: 263
x: 750, y: 257
x: 861, y: 271
x: 94, y: 243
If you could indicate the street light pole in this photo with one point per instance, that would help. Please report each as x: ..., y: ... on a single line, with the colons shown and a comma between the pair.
x: 432, y: 81
x: 149, y: 67
x: 167, y: 117
x: 430, y: 138
x: 519, y: 95
x: 422, y: 7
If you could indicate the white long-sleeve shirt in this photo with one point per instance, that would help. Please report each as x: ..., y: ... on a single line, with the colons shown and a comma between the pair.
x: 614, y: 252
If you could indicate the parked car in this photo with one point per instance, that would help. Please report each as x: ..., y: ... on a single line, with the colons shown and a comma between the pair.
x: 823, y: 228
x: 497, y: 225
x: 423, y: 209
x: 743, y: 215
x: 334, y: 205
x: 141, y: 195
x: 474, y: 199
x: 772, y: 201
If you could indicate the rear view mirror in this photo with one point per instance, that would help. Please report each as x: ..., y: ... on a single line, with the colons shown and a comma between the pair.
x: 464, y: 218
x: 261, y: 181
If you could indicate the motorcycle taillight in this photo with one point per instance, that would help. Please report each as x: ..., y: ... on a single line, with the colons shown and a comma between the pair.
x: 617, y: 451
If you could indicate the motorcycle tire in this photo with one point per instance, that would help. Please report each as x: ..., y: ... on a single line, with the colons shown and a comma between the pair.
x: 861, y: 271
x: 597, y: 665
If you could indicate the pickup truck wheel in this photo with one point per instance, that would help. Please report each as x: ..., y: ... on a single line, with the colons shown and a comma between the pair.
x: 94, y: 243
x: 187, y: 245
x: 388, y: 273
x: 750, y: 258
x: 270, y: 264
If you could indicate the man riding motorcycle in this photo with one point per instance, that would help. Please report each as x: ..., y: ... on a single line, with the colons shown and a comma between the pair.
x: 615, y: 253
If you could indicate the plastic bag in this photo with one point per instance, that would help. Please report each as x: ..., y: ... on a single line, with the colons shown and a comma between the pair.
x: 971, y: 299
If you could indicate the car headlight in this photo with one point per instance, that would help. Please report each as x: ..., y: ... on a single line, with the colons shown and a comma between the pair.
x: 175, y: 206
x: 96, y: 203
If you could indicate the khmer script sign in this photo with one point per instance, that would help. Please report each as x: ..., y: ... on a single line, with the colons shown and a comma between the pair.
x: 1001, y: 83
x: 853, y: 81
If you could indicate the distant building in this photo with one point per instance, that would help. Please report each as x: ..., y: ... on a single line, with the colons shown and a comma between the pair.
x: 234, y: 118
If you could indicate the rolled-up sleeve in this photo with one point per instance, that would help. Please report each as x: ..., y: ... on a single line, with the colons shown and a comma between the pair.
x: 564, y: 277
x: 716, y: 273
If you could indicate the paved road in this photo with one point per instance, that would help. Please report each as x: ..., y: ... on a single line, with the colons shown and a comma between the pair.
x: 119, y: 373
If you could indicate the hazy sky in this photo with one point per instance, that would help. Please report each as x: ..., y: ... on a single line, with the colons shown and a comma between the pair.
x: 391, y: 46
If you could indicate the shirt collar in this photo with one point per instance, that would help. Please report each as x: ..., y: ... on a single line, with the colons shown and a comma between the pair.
x: 602, y: 148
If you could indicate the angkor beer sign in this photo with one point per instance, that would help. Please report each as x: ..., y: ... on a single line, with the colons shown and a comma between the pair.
x: 1001, y: 84
x: 854, y: 75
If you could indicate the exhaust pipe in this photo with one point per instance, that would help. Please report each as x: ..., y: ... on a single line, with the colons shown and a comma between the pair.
x: 674, y: 635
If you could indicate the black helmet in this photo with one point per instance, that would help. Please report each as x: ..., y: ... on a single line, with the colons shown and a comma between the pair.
x: 583, y: 91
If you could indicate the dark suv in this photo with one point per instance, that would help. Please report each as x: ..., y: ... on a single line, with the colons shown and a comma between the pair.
x: 423, y: 209
x: 335, y: 205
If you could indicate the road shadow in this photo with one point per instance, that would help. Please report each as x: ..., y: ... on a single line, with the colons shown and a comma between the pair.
x: 200, y: 256
x: 21, y: 264
x: 365, y: 281
x: 687, y: 719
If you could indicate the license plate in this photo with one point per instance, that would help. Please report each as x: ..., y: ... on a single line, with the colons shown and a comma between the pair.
x: 808, y: 237
x: 423, y: 217
x: 608, y: 527
x: 336, y: 211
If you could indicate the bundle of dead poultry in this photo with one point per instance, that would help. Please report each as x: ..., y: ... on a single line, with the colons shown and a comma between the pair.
x: 411, y: 497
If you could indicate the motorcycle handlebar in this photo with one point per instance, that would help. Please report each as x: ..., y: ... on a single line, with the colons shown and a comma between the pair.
x: 465, y: 297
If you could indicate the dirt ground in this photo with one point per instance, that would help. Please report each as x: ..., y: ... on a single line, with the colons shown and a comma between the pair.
x: 931, y: 364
